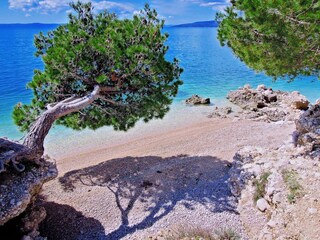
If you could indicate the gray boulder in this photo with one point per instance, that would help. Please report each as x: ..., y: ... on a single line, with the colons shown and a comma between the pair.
x: 308, y: 130
x: 20, y: 189
x: 262, y: 204
x: 196, y: 100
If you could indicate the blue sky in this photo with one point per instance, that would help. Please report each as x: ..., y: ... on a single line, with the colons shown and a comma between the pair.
x: 55, y: 11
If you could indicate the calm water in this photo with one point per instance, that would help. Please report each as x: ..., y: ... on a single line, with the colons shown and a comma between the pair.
x: 210, y: 70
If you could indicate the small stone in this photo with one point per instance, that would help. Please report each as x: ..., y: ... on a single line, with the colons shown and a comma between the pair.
x: 265, y: 236
x: 247, y: 86
x: 276, y: 198
x: 261, y: 87
x: 272, y: 224
x: 270, y: 191
x: 271, y: 98
x: 256, y: 170
x: 262, y: 204
x: 312, y: 210
x: 261, y: 105
x: 26, y: 238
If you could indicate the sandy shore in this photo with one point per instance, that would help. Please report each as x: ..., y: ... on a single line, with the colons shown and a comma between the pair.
x: 158, y: 176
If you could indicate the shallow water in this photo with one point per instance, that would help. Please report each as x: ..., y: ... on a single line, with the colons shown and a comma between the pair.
x: 210, y: 70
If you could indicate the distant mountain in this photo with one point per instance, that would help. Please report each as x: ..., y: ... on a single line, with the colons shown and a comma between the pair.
x: 198, y: 24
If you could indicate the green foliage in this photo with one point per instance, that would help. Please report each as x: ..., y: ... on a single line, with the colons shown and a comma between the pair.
x: 295, y: 189
x: 260, y: 185
x: 125, y: 56
x: 278, y: 37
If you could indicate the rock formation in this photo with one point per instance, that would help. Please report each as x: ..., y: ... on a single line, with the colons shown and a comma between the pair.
x: 196, y: 100
x: 19, y: 190
x: 278, y: 189
x: 264, y: 104
x: 288, y: 205
x: 308, y: 130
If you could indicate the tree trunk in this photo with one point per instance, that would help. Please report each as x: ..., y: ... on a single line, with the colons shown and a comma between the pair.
x: 34, y: 140
x: 37, y: 133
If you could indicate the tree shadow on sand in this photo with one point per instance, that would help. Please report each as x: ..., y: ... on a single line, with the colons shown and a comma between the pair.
x: 65, y: 222
x: 157, y: 185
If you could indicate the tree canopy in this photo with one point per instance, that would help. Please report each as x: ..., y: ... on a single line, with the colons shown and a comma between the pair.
x: 121, y: 61
x: 278, y: 37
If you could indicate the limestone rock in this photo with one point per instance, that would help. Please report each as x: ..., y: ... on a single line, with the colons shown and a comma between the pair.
x: 238, y: 178
x: 265, y: 104
x: 222, y: 112
x: 276, y: 198
x: 278, y: 220
x: 312, y: 211
x: 261, y: 87
x: 262, y: 204
x: 246, y: 98
x: 196, y: 100
x: 18, y: 190
x: 272, y: 224
x: 297, y: 100
x: 308, y: 130
x: 30, y: 222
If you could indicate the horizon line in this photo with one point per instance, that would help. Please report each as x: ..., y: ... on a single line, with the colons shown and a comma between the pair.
x: 66, y: 23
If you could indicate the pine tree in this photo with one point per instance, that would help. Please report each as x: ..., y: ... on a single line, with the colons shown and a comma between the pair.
x: 278, y: 37
x: 98, y: 71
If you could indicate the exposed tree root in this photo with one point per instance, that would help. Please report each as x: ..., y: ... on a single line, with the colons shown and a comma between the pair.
x: 14, y: 154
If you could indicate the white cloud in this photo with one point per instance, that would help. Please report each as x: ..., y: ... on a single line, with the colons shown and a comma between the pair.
x: 109, y: 5
x: 47, y: 6
x: 209, y: 4
x: 217, y: 5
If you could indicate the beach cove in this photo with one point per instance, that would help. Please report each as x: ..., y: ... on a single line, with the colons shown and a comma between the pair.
x: 135, y: 185
x: 169, y: 173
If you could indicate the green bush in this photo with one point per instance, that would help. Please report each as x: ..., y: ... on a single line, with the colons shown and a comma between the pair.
x: 290, y: 177
x: 260, y: 185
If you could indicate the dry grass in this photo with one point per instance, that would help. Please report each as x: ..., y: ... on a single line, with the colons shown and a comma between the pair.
x: 201, y: 234
x: 260, y: 185
x: 290, y: 177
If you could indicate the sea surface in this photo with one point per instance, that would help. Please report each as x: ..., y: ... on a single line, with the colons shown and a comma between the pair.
x: 209, y: 69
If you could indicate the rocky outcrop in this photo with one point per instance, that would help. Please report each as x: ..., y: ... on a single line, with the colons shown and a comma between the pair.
x: 278, y: 192
x: 264, y: 104
x: 261, y: 97
x: 221, y: 112
x: 248, y: 98
x: 277, y: 189
x: 308, y: 130
x: 196, y: 100
x: 18, y: 190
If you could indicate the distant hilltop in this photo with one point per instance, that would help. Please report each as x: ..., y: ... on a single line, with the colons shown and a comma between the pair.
x: 199, y: 24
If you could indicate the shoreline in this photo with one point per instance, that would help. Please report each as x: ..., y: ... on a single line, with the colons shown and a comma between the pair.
x: 180, y: 115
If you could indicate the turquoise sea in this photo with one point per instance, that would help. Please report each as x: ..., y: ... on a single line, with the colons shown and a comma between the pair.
x: 210, y: 70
